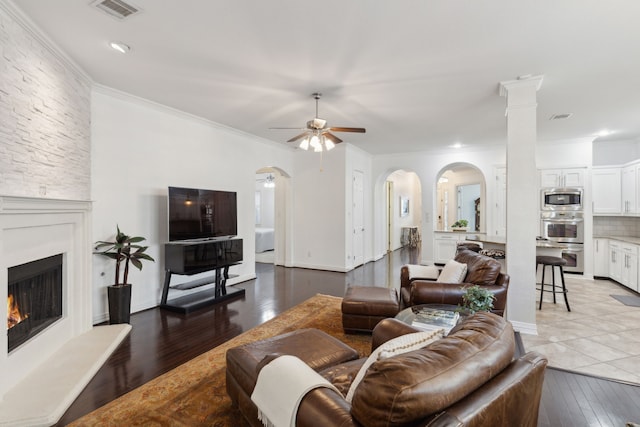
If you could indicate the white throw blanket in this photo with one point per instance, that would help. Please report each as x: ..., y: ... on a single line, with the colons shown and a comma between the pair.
x: 280, y: 387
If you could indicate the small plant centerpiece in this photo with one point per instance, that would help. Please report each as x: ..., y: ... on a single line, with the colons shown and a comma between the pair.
x: 124, y: 250
x: 460, y: 225
x: 476, y: 299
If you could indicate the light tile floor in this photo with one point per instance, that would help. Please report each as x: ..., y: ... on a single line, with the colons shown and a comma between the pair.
x: 600, y: 336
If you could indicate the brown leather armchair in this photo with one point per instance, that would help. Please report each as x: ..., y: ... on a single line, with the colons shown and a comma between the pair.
x: 481, y: 270
x: 470, y: 377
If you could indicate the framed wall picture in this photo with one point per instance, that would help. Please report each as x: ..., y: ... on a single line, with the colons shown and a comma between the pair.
x: 404, y: 206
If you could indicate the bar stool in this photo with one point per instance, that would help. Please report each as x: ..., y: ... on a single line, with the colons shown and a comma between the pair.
x: 553, y: 262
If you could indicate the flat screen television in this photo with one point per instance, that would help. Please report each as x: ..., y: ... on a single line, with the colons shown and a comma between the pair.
x: 197, y: 214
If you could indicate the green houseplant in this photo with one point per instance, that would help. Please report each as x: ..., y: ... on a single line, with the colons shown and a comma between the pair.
x: 124, y: 250
x: 476, y: 299
x: 460, y: 224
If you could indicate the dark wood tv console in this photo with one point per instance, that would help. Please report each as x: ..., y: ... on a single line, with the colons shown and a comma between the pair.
x: 189, y: 258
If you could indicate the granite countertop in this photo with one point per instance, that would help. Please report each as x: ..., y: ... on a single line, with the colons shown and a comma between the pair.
x: 501, y: 240
x: 626, y: 239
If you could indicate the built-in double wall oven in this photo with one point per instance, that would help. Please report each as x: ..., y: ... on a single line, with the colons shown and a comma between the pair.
x: 562, y: 221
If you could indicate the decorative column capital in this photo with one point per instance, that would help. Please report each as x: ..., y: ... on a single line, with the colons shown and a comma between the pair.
x: 521, y: 82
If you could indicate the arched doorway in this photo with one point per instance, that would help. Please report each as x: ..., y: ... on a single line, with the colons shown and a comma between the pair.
x: 403, y: 208
x: 460, y: 196
x: 272, y: 208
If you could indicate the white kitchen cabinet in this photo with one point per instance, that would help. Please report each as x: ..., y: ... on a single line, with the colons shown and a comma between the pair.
x: 630, y: 266
x: 446, y: 245
x: 623, y: 263
x: 601, y: 257
x: 606, y: 187
x: 615, y: 260
x: 569, y: 177
x: 629, y: 189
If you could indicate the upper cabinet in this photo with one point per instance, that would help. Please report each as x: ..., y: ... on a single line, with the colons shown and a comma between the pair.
x: 629, y: 189
x: 616, y: 190
x: 606, y: 191
x: 570, y: 177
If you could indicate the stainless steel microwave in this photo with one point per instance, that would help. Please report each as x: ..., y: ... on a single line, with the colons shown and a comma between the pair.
x: 561, y: 199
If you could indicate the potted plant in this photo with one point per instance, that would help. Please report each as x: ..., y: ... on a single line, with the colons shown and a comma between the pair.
x: 476, y: 299
x: 460, y: 225
x: 124, y: 250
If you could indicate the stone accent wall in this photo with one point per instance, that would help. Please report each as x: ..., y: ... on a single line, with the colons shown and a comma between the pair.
x: 45, y: 117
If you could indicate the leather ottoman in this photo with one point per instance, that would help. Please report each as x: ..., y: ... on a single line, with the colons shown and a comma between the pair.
x: 316, y: 348
x: 364, y: 306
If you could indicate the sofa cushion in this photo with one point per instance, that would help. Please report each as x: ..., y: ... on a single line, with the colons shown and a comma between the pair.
x: 394, y: 347
x: 481, y: 270
x: 411, y: 386
x: 453, y: 272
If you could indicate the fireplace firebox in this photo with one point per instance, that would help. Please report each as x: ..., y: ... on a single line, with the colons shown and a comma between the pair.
x: 34, y: 299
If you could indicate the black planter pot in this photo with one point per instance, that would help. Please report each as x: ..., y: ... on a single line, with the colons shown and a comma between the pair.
x: 119, y: 303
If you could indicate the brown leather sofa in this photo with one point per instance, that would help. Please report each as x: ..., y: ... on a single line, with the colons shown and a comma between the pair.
x: 472, y: 377
x: 481, y: 270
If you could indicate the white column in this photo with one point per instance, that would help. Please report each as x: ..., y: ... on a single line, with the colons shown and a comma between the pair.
x: 522, y: 199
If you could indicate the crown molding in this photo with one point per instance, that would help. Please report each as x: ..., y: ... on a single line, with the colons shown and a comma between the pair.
x: 14, y: 11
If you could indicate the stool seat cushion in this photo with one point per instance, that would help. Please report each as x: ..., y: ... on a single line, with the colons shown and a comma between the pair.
x: 550, y: 260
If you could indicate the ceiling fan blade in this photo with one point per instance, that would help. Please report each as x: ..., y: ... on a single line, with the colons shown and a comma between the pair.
x: 298, y: 137
x: 341, y: 129
x: 332, y: 138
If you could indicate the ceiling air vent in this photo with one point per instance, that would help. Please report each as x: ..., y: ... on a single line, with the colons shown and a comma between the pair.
x: 116, y: 8
x: 561, y: 116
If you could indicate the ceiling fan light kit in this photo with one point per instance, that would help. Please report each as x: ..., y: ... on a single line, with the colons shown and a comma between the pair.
x: 317, y: 135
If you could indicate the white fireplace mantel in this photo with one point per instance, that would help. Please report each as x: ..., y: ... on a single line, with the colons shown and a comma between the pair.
x: 31, y: 229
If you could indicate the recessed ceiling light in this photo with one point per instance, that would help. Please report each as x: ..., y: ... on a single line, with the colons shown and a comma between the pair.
x: 457, y: 145
x: 120, y: 47
x: 605, y: 132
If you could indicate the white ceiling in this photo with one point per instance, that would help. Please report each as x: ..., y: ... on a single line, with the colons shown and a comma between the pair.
x: 417, y: 74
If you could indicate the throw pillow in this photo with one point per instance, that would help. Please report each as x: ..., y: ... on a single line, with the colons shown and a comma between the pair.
x: 393, y: 347
x: 453, y: 272
x: 423, y: 271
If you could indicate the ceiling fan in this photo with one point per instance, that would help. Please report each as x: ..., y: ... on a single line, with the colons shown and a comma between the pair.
x: 269, y: 181
x: 317, y: 134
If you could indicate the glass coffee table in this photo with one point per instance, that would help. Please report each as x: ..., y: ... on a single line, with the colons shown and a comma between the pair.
x: 432, y: 316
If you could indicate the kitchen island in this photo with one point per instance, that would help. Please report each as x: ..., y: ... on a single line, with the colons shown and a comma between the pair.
x: 543, y: 247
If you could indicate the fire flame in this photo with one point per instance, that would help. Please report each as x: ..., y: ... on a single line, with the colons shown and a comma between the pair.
x: 13, y: 313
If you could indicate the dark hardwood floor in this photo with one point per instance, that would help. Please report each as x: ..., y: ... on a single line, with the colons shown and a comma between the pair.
x: 161, y: 340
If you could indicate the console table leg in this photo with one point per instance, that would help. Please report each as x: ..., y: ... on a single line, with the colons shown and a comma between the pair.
x: 165, y: 289
x: 218, y: 283
x: 224, y: 280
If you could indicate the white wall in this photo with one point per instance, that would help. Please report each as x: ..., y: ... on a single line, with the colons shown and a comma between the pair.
x: 319, y: 208
x: 138, y: 150
x: 607, y: 153
x: 44, y: 117
x: 564, y: 154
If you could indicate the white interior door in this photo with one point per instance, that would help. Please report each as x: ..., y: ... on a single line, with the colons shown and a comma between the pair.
x: 358, y: 218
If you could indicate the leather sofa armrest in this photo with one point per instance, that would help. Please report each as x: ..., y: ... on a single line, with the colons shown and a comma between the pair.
x: 428, y: 292
x: 513, y: 394
x: 388, y: 329
x: 324, y: 407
